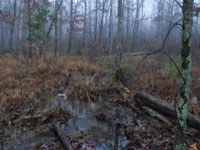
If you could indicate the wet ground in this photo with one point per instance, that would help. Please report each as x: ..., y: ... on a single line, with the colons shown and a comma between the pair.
x: 106, y: 124
x: 102, y: 121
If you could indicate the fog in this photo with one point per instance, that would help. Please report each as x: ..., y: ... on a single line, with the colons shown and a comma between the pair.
x: 99, y: 74
x: 145, y: 24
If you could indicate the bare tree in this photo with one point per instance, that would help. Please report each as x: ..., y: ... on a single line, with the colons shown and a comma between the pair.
x: 61, y: 24
x: 56, y: 28
x: 119, y: 41
x: 71, y: 26
x: 102, y: 19
x: 84, y: 22
x: 2, y: 30
x: 90, y: 20
x: 12, y: 29
x: 96, y: 20
x: 111, y: 27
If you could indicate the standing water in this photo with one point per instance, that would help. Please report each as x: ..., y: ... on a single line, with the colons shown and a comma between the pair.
x: 101, y: 120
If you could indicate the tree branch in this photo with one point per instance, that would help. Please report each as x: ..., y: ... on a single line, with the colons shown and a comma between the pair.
x: 179, y: 4
x: 162, y: 48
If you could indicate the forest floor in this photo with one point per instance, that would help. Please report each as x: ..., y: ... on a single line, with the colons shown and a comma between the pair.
x: 80, y: 95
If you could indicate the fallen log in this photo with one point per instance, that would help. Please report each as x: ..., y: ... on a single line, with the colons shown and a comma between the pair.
x: 155, y: 114
x: 124, y: 55
x: 165, y: 108
x: 65, y: 141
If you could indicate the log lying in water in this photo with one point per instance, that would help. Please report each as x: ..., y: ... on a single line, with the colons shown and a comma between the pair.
x: 60, y: 132
x: 165, y: 108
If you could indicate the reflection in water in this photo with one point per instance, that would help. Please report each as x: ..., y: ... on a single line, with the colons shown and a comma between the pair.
x: 108, y: 135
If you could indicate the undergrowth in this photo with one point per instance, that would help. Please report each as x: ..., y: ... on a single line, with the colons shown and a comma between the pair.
x: 24, y: 79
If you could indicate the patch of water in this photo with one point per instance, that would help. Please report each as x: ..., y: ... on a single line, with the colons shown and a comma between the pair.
x: 102, y: 132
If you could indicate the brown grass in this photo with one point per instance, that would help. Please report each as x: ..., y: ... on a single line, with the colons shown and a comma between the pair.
x: 24, y: 78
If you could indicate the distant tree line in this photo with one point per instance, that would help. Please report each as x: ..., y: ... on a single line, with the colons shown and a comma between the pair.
x: 82, y: 26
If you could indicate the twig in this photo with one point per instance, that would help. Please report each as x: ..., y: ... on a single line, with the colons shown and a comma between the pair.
x: 179, y: 4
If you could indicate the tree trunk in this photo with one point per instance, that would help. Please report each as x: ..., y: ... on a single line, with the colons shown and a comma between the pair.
x: 2, y: 32
x: 136, y: 24
x: 71, y: 27
x: 12, y: 29
x: 145, y: 99
x: 96, y: 20
x: 18, y: 24
x: 90, y: 21
x: 29, y: 28
x: 182, y: 110
x: 128, y: 26
x: 56, y: 28
x: 84, y: 26
x: 119, y: 42
x: 2, y: 35
x: 60, y: 25
x: 102, y: 19
x: 110, y: 27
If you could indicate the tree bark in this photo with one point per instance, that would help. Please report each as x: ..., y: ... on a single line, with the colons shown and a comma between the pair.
x: 182, y: 110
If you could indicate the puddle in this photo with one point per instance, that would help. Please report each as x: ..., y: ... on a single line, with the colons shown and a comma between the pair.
x: 104, y: 133
x: 103, y: 130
